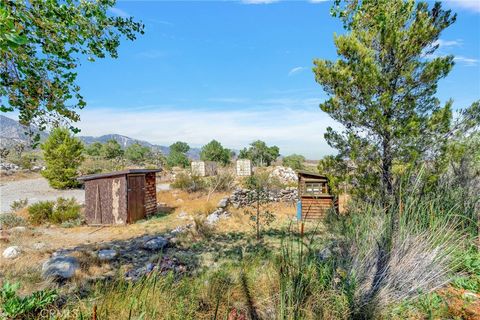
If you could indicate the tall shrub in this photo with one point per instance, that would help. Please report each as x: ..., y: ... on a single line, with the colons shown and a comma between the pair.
x: 63, y: 155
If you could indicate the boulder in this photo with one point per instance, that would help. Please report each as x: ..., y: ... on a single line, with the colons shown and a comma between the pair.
x: 60, y: 267
x: 107, y: 254
x: 155, y: 244
x: 11, y: 252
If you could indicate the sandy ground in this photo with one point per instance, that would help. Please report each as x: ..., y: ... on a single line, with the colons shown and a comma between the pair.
x: 34, y: 190
x: 38, y: 190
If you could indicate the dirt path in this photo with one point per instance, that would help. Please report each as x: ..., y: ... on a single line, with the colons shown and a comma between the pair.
x: 34, y: 190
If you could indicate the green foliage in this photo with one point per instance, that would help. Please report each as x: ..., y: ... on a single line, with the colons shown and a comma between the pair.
x: 294, y: 161
x: 177, y: 156
x: 63, y: 156
x: 189, y: 183
x: 43, y: 42
x: 336, y: 170
x: 214, y: 151
x: 65, y: 210
x: 15, y: 307
x: 179, y: 146
x: 58, y: 212
x: 137, y: 153
x: 94, y: 149
x: 40, y: 212
x: 10, y: 220
x: 260, y: 184
x: 382, y: 88
x: 18, y: 204
x: 260, y: 154
x: 112, y: 150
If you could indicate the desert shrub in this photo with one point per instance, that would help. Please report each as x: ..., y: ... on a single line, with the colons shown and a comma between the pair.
x: 294, y: 161
x: 65, y: 210
x: 201, y: 229
x: 18, y: 204
x: 10, y: 220
x: 188, y: 182
x: 63, y: 156
x: 24, y: 160
x: 40, y: 212
x: 15, y: 307
x: 93, y: 165
x: 58, y: 212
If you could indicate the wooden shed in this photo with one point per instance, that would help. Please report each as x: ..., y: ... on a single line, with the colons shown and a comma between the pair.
x: 314, y: 195
x: 204, y: 168
x: 120, y: 197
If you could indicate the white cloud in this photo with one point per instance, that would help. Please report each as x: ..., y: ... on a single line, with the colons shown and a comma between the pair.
x: 318, y: 1
x: 297, y: 130
x: 119, y: 12
x: 473, y: 5
x: 258, y: 1
x: 466, y: 61
x: 295, y: 70
x: 448, y: 43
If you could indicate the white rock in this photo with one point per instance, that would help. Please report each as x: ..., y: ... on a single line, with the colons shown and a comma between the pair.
x: 223, y: 203
x: 11, y: 252
x: 39, y: 245
x: 157, y: 243
x: 19, y: 229
x: 107, y: 254
x: 60, y: 267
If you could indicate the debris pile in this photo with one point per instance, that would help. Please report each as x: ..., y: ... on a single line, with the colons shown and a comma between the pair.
x: 284, y: 174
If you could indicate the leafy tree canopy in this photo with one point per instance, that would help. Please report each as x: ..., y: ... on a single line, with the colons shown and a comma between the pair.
x: 382, y: 88
x: 214, y: 151
x: 137, y: 153
x: 63, y: 155
x: 294, y: 161
x: 260, y: 153
x: 179, y: 146
x: 94, y: 149
x: 112, y: 149
x: 41, y: 43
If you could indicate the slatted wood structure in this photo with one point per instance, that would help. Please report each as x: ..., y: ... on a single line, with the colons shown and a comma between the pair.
x: 314, y: 195
x: 120, y: 197
x: 244, y: 167
x: 204, y: 168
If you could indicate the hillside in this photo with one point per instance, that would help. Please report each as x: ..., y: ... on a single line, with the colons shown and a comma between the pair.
x: 12, y: 132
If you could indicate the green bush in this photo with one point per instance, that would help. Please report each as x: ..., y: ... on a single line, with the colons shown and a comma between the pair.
x: 58, y: 212
x: 15, y: 307
x: 40, y: 212
x: 18, y: 204
x: 189, y: 183
x: 65, y: 210
x: 10, y: 220
x: 294, y: 161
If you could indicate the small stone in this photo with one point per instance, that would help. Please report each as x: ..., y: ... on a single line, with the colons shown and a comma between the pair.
x: 155, y: 244
x: 11, y: 252
x: 18, y: 229
x: 107, y: 254
x: 223, y: 203
x: 324, y: 254
x: 39, y: 245
x: 60, y: 267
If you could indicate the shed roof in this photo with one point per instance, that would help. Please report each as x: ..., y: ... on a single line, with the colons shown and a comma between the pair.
x: 312, y: 174
x: 117, y: 173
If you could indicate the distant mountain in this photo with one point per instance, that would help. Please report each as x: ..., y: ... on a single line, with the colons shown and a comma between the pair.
x: 12, y: 132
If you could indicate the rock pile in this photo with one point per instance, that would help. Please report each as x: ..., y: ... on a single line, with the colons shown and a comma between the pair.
x: 8, y: 168
x: 244, y: 197
x: 284, y: 174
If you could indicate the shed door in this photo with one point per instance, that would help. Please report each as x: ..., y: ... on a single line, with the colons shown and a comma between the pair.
x: 136, y: 197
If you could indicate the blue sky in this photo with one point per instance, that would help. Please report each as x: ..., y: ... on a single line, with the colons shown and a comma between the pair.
x: 239, y: 71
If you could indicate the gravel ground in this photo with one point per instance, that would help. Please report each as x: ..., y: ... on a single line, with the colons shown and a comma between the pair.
x: 38, y: 190
x: 34, y: 190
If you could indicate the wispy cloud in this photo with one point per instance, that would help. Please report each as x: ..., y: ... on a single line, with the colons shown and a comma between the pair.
x: 472, y: 5
x: 258, y: 1
x: 466, y: 61
x: 295, y: 70
x: 119, y: 12
x: 151, y: 54
x: 448, y: 43
x: 318, y: 1
x: 293, y: 129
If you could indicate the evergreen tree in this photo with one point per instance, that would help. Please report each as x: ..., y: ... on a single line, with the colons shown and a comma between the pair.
x: 214, y: 151
x: 63, y: 155
x: 112, y: 150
